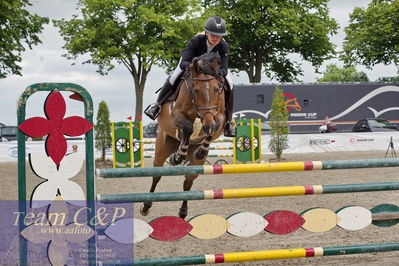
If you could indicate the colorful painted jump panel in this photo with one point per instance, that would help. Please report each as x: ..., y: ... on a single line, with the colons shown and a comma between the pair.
x: 246, y: 224
x: 56, y: 168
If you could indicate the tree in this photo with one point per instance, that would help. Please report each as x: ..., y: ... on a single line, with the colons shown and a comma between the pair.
x: 18, y: 27
x: 103, y: 129
x: 134, y: 33
x: 388, y: 79
x: 372, y: 36
x: 278, y: 123
x: 334, y: 73
x: 263, y: 34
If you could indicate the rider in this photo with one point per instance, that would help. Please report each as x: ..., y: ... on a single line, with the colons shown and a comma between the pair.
x: 211, y: 41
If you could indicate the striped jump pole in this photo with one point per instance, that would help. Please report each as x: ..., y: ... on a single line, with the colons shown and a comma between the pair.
x: 214, y: 141
x: 210, y: 148
x: 226, y: 141
x: 222, y: 140
x: 209, y: 155
x: 246, y: 168
x: 220, y: 155
x: 247, y: 192
x: 261, y: 255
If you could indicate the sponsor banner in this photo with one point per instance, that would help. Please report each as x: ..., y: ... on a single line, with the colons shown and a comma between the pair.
x: 337, y: 142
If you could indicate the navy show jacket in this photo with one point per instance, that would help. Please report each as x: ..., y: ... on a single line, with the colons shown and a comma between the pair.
x: 197, y: 46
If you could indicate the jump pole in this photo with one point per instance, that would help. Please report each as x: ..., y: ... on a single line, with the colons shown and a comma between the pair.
x: 234, y: 151
x: 210, y: 148
x: 246, y: 168
x: 247, y: 192
x: 131, y: 151
x: 252, y: 123
x: 142, y: 142
x: 261, y: 255
x: 214, y: 141
x: 260, y: 139
x: 252, y: 141
x: 209, y: 155
x: 113, y: 145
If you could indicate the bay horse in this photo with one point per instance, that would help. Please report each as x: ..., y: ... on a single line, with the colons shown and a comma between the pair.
x: 188, y: 125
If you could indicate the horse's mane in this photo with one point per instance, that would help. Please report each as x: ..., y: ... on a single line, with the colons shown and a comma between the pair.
x: 205, y: 61
x: 209, y: 57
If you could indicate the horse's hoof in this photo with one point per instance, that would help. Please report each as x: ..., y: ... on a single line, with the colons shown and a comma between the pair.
x: 145, y: 209
x: 183, y: 212
x: 175, y: 159
x: 200, y: 154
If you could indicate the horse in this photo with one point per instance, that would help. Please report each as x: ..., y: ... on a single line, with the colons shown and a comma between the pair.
x: 188, y: 125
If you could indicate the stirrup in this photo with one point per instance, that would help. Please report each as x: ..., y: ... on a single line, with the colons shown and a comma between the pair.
x: 229, y: 130
x: 153, y: 111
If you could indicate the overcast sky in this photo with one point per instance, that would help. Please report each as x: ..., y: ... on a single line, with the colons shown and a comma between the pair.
x: 45, y: 64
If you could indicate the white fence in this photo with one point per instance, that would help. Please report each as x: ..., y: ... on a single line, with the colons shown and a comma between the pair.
x: 298, y: 143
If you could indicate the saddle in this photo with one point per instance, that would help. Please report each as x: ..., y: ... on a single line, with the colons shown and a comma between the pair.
x: 176, y: 88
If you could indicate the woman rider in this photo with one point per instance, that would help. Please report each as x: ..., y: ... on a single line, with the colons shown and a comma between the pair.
x: 211, y: 41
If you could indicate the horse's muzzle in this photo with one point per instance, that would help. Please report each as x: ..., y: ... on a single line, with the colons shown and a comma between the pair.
x: 209, y: 130
x: 210, y: 124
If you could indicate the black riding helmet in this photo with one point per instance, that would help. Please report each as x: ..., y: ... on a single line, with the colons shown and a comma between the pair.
x: 216, y: 25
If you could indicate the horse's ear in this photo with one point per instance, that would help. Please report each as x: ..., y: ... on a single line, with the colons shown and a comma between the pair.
x: 214, y: 65
x: 195, y: 66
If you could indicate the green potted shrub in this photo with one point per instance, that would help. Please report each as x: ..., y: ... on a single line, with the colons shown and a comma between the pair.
x: 279, y: 127
x: 103, y: 130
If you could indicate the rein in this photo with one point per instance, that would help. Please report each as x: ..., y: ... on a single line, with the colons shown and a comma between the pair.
x: 205, y: 79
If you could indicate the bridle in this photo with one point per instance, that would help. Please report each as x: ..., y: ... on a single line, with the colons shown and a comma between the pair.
x: 208, y: 109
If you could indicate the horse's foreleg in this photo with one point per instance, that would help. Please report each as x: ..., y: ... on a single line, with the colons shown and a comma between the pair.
x: 188, y: 183
x: 181, y: 154
x: 202, y: 151
x: 145, y: 209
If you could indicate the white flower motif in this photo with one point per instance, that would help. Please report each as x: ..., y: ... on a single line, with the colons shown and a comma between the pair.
x: 57, y: 233
x: 57, y: 179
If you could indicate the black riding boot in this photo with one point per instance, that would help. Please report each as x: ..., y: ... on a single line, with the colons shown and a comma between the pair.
x: 229, y: 128
x: 153, y: 110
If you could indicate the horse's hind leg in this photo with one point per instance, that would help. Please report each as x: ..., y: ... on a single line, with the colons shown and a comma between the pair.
x: 188, y: 183
x: 163, y: 148
x: 145, y: 209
